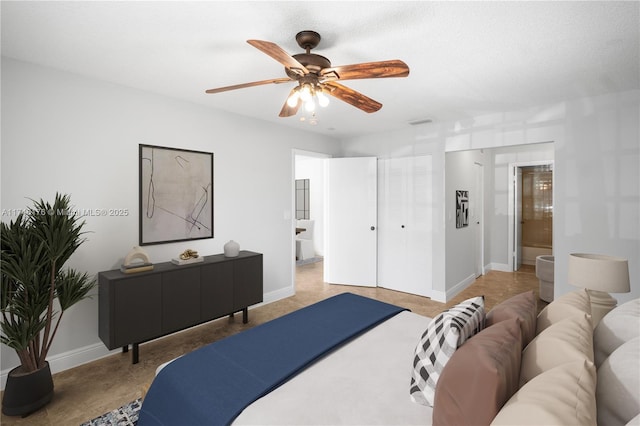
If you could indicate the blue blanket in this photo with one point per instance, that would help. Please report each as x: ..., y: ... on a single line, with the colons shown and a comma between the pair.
x: 213, y: 384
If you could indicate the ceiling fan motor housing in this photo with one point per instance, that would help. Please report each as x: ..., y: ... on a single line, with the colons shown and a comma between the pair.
x: 312, y: 62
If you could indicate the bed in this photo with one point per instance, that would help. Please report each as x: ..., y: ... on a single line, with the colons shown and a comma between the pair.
x: 516, y: 368
x: 365, y: 378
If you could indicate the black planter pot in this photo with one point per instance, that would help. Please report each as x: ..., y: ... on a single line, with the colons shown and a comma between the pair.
x: 26, y: 393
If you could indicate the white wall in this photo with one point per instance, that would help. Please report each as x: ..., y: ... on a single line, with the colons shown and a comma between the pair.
x: 62, y: 132
x: 596, y: 175
x: 460, y: 242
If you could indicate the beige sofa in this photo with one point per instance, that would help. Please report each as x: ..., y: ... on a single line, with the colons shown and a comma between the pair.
x: 567, y: 373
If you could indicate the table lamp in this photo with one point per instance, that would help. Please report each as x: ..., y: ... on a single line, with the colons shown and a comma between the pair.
x: 600, y: 275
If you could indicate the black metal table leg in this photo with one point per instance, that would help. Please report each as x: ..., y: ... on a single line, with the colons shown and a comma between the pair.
x: 135, y: 354
x: 245, y: 315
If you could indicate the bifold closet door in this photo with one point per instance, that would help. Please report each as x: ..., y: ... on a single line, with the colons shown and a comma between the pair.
x: 405, y: 237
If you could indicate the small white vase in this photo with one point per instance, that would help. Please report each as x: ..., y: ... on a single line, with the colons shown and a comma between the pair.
x: 231, y: 249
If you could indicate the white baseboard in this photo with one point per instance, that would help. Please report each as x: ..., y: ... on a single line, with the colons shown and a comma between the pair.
x: 438, y: 296
x: 457, y: 289
x: 96, y: 351
x: 276, y: 295
x: 502, y: 267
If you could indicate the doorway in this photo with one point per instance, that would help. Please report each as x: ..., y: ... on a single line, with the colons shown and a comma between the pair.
x: 537, y: 213
x: 308, y: 202
x: 532, y: 212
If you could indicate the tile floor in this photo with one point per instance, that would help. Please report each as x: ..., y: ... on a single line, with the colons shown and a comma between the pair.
x: 90, y: 390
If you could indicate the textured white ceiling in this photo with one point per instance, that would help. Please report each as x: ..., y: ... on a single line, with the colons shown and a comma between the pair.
x: 466, y: 58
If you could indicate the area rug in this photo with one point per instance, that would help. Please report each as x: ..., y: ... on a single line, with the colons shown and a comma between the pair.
x: 127, y: 415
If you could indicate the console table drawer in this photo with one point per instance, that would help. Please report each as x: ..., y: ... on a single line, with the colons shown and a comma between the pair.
x: 136, y: 310
x: 216, y: 290
x: 180, y: 299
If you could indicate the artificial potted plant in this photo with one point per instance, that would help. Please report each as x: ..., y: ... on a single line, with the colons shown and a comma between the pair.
x: 35, y: 247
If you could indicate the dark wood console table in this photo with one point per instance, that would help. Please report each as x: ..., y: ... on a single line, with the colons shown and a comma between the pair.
x: 135, y: 308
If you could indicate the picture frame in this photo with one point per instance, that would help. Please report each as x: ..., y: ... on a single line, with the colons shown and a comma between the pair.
x: 175, y: 195
x: 462, y: 208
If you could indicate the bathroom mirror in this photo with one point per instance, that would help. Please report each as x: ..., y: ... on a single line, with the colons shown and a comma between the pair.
x: 302, y: 198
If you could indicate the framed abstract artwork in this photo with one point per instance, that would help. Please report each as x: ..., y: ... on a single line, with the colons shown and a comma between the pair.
x: 462, y: 209
x: 176, y: 194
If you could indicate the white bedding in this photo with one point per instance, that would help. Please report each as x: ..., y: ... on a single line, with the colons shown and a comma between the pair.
x: 363, y: 382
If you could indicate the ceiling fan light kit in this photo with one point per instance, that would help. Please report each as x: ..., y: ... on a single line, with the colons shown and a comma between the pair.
x: 316, y: 77
x: 308, y: 94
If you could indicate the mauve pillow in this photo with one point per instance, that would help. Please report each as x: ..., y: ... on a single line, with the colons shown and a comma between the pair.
x: 480, y: 377
x: 524, y: 308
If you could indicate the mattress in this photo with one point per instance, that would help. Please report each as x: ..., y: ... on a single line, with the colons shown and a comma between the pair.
x: 363, y: 382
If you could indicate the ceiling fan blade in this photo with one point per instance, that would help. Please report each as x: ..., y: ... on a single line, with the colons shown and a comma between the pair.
x: 288, y: 111
x: 380, y: 69
x: 352, y: 97
x: 255, y: 83
x: 277, y: 53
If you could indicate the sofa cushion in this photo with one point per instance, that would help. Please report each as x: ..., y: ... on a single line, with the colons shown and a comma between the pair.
x: 444, y: 334
x: 480, y: 376
x: 567, y: 340
x: 523, y: 307
x: 564, y: 395
x: 618, y: 389
x: 618, y: 326
x: 567, y: 305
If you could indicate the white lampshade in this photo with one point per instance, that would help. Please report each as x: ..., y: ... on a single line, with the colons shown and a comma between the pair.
x: 599, y: 272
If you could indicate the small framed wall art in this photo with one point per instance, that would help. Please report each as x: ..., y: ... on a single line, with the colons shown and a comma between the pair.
x: 462, y: 209
x: 176, y: 194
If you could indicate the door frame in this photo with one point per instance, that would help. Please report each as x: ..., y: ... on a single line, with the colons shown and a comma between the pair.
x: 512, y: 205
x: 479, y: 218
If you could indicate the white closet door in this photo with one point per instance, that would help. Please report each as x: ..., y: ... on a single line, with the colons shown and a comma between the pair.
x: 405, y: 233
x: 351, y: 221
x: 392, y: 202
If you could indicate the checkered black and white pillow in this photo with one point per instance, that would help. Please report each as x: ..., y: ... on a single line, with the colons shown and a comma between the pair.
x: 444, y: 334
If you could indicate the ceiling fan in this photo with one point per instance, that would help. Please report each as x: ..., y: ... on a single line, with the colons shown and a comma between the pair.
x: 316, y: 77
